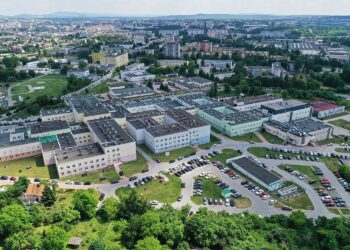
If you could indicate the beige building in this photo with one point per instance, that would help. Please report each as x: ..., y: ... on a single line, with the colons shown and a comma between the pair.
x: 117, y: 60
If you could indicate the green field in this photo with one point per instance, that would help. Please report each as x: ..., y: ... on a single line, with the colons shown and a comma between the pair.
x: 106, y: 175
x: 174, y: 154
x: 243, y: 202
x: 155, y: 190
x: 332, y: 164
x: 210, y: 190
x: 226, y: 154
x: 335, y: 140
x: 247, y: 137
x: 213, y: 140
x: 134, y: 167
x: 99, y: 89
x: 302, y: 202
x: 66, y: 195
x: 335, y: 116
x: 261, y: 152
x: 272, y: 138
x: 54, y: 86
x: 341, y: 123
x: 342, y: 150
x: 30, y: 167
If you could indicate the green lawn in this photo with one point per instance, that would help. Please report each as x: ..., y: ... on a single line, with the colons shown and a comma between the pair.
x: 30, y: 167
x: 106, y: 175
x: 261, y: 152
x: 334, y: 140
x: 332, y: 164
x: 210, y: 190
x: 54, y: 86
x: 341, y: 123
x: 99, y: 89
x: 226, y: 154
x: 342, y: 150
x: 134, y: 167
x: 66, y: 195
x: 243, y: 202
x: 155, y: 190
x: 272, y: 138
x: 174, y: 154
x: 302, y: 202
x: 247, y: 137
x: 213, y: 140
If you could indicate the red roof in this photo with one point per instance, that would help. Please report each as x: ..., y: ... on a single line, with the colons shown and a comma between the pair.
x: 320, y: 105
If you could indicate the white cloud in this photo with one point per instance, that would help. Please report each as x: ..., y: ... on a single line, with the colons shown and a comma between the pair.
x: 166, y: 7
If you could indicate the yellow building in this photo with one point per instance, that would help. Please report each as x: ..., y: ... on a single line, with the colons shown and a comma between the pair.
x: 117, y: 60
x: 96, y: 56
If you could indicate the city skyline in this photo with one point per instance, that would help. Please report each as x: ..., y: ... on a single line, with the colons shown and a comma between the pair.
x: 167, y: 7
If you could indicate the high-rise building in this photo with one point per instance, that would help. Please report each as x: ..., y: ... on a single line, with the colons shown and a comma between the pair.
x: 204, y: 46
x: 172, y: 49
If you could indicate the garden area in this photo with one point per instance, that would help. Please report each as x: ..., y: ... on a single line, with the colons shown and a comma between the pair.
x: 134, y: 167
x: 156, y: 190
x: 173, y: 154
x: 210, y: 190
x: 247, y: 138
x: 31, y: 167
x: 106, y: 175
x: 271, y: 138
x: 341, y: 123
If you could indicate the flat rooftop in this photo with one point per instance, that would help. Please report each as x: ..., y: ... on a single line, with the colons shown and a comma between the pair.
x: 167, y: 129
x: 109, y: 132
x: 256, y: 170
x: 143, y: 114
x: 78, y: 152
x: 87, y: 105
x: 143, y: 123
x: 49, y: 126
x: 131, y: 92
x: 56, y: 111
x: 185, y: 119
x: 284, y: 106
x: 299, y: 127
x: 250, y: 100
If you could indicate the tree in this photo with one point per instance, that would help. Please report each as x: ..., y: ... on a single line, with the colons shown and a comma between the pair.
x: 49, y: 196
x: 22, y: 240
x: 85, y: 202
x: 109, y: 208
x: 55, y: 238
x: 227, y: 88
x: 82, y: 65
x: 148, y: 243
x: 13, y: 219
x: 132, y: 205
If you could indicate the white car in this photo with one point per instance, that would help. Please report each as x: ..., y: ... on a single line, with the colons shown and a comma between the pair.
x: 227, y: 202
x: 203, y: 174
x: 272, y: 202
x: 154, y: 203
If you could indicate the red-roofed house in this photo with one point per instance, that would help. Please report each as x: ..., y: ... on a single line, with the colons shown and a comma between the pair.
x: 322, y: 109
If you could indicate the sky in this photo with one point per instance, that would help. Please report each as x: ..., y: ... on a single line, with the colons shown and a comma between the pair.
x: 175, y: 7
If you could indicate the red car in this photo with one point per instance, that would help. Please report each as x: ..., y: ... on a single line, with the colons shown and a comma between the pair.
x: 13, y: 178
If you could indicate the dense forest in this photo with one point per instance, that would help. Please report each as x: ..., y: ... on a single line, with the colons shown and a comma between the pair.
x: 137, y: 225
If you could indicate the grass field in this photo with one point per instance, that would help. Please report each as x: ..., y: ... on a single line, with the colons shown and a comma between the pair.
x: 66, y: 195
x: 30, y: 167
x: 213, y: 140
x: 99, y: 89
x: 247, y: 137
x: 335, y: 140
x: 342, y: 150
x: 226, y: 154
x: 54, y: 86
x: 134, y: 167
x: 302, y: 202
x: 332, y: 163
x: 341, y: 123
x: 155, y: 190
x: 210, y: 190
x: 106, y: 175
x: 174, y: 154
x: 243, y: 202
x: 272, y: 138
x: 261, y: 152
